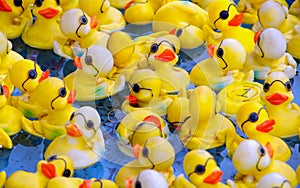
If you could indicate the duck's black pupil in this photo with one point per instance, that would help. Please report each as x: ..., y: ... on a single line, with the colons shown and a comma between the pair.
x: 83, y: 19
x: 57, y: 2
x: 38, y: 3
x: 18, y: 3
x: 32, y: 74
x: 288, y: 86
x: 136, y: 88
x: 224, y: 14
x: 154, y: 48
x: 145, y: 152
x: 90, y: 124
x: 220, y: 52
x: 253, y: 117
x: 262, y: 151
x: 266, y: 87
x: 88, y: 60
x: 67, y: 173
x: 62, y: 92
x: 72, y: 116
x: 53, y: 157
x: 200, y: 169
x: 138, y: 184
x: 178, y: 32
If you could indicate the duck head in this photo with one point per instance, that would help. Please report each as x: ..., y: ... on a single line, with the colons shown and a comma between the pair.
x: 92, y: 7
x: 14, y: 7
x: 148, y: 179
x: 47, y: 9
x: 274, y: 180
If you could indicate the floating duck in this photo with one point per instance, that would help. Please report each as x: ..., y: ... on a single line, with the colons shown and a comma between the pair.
x: 202, y: 170
x: 138, y: 12
x: 253, y: 161
x: 162, y: 57
x: 227, y: 20
x: 137, y: 126
x: 207, y: 128
x: 225, y: 67
x: 277, y: 97
x: 148, y: 179
x: 54, y: 166
x: 90, y: 80
x: 41, y: 33
x: 84, y: 139
x: 26, y: 76
x: 146, y: 93
x: 57, y: 100
x: 14, y: 15
x: 264, y: 59
x: 273, y: 180
x: 62, y: 182
x: 186, y: 25
x: 109, y: 18
x: 80, y: 30
x: 253, y: 120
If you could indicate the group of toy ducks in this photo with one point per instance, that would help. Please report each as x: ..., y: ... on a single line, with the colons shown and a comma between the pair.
x: 107, y: 59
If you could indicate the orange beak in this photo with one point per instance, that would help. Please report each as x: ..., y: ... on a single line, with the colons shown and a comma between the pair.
x: 128, y: 4
x: 45, y: 75
x: 86, y: 184
x: 236, y: 20
x: 49, y: 170
x: 214, y: 177
x: 210, y: 50
x: 277, y: 98
x: 73, y: 130
x: 77, y: 62
x: 94, y: 22
x: 153, y: 119
x: 128, y: 182
x: 256, y: 36
x: 72, y: 97
x: 133, y: 101
x: 4, y: 6
x: 173, y: 31
x: 266, y: 126
x: 48, y: 13
x: 5, y: 90
x: 166, y: 56
x: 136, y: 150
x: 270, y: 149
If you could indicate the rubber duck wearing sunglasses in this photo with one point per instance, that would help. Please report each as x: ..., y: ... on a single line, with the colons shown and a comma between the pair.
x: 109, y: 18
x: 41, y: 33
x: 26, y: 75
x: 80, y: 30
x: 186, y: 25
x: 138, y: 12
x: 277, y: 95
x: 264, y: 60
x: 146, y: 93
x: 91, y: 79
x: 162, y: 57
x: 53, y: 167
x: 274, y: 180
x: 253, y: 161
x: 157, y: 154
x: 225, y: 18
x: 84, y: 139
x: 254, y: 121
x: 225, y: 66
x: 57, y: 100
x: 14, y: 14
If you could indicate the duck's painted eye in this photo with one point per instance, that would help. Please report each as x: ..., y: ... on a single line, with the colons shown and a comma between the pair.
x: 288, y: 86
x: 145, y: 152
x: 58, y: 2
x: 136, y: 88
x: 67, y: 173
x: 200, y: 169
x: 62, y: 92
x: 262, y: 151
x: 32, y: 74
x: 220, y: 52
x: 1, y: 90
x: 224, y: 14
x: 89, y: 124
x: 38, y: 3
x: 253, y: 117
x: 18, y: 3
x: 138, y: 184
x: 52, y: 158
x: 179, y: 32
x: 154, y: 48
x: 83, y: 20
x: 266, y: 87
x: 88, y: 60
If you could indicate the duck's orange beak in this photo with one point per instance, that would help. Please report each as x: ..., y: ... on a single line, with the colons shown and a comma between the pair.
x: 270, y: 149
x: 128, y: 182
x: 210, y: 50
x: 5, y: 91
x: 166, y: 56
x: 173, y: 31
x: 133, y: 101
x: 49, y: 170
x: 277, y: 98
x: 48, y: 13
x: 256, y: 36
x: 72, y: 97
x: 154, y: 120
x: 266, y: 126
x: 236, y: 20
x: 77, y: 62
x: 136, y: 150
x: 94, y: 22
x: 73, y: 130
x: 45, y: 75
x: 86, y: 184
x: 128, y: 4
x: 214, y: 177
x: 4, y: 6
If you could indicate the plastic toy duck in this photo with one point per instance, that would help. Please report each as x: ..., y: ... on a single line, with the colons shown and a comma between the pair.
x: 162, y: 57
x: 277, y: 97
x: 147, y: 158
x: 264, y: 60
x: 146, y: 93
x: 207, y: 128
x: 186, y: 25
x: 148, y: 179
x: 84, y: 139
x: 253, y: 120
x: 57, y: 100
x: 14, y: 15
x: 225, y: 67
x: 62, y: 182
x: 253, y: 161
x: 202, y: 170
x: 109, y: 18
x: 54, y: 166
x: 80, y: 30
x: 91, y: 79
x: 41, y: 33
x: 138, y: 12
x: 26, y: 76
x: 273, y: 180
x: 225, y: 18
x: 137, y: 126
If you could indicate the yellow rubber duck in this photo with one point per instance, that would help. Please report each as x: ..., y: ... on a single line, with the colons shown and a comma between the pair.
x: 41, y: 32
x: 54, y: 166
x: 146, y: 93
x: 202, y: 170
x: 186, y: 25
x: 224, y: 17
x: 91, y: 80
x: 84, y: 139
x: 225, y: 67
x: 26, y: 76
x: 138, y: 12
x: 137, y: 126
x: 207, y: 128
x: 57, y: 100
x: 109, y: 18
x: 14, y: 15
x: 264, y: 60
x: 69, y: 4
x: 254, y: 121
x: 63, y: 182
x: 277, y: 97
x: 80, y: 30
x: 162, y: 57
x: 253, y: 161
x: 10, y: 119
x: 273, y: 180
x: 147, y: 179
